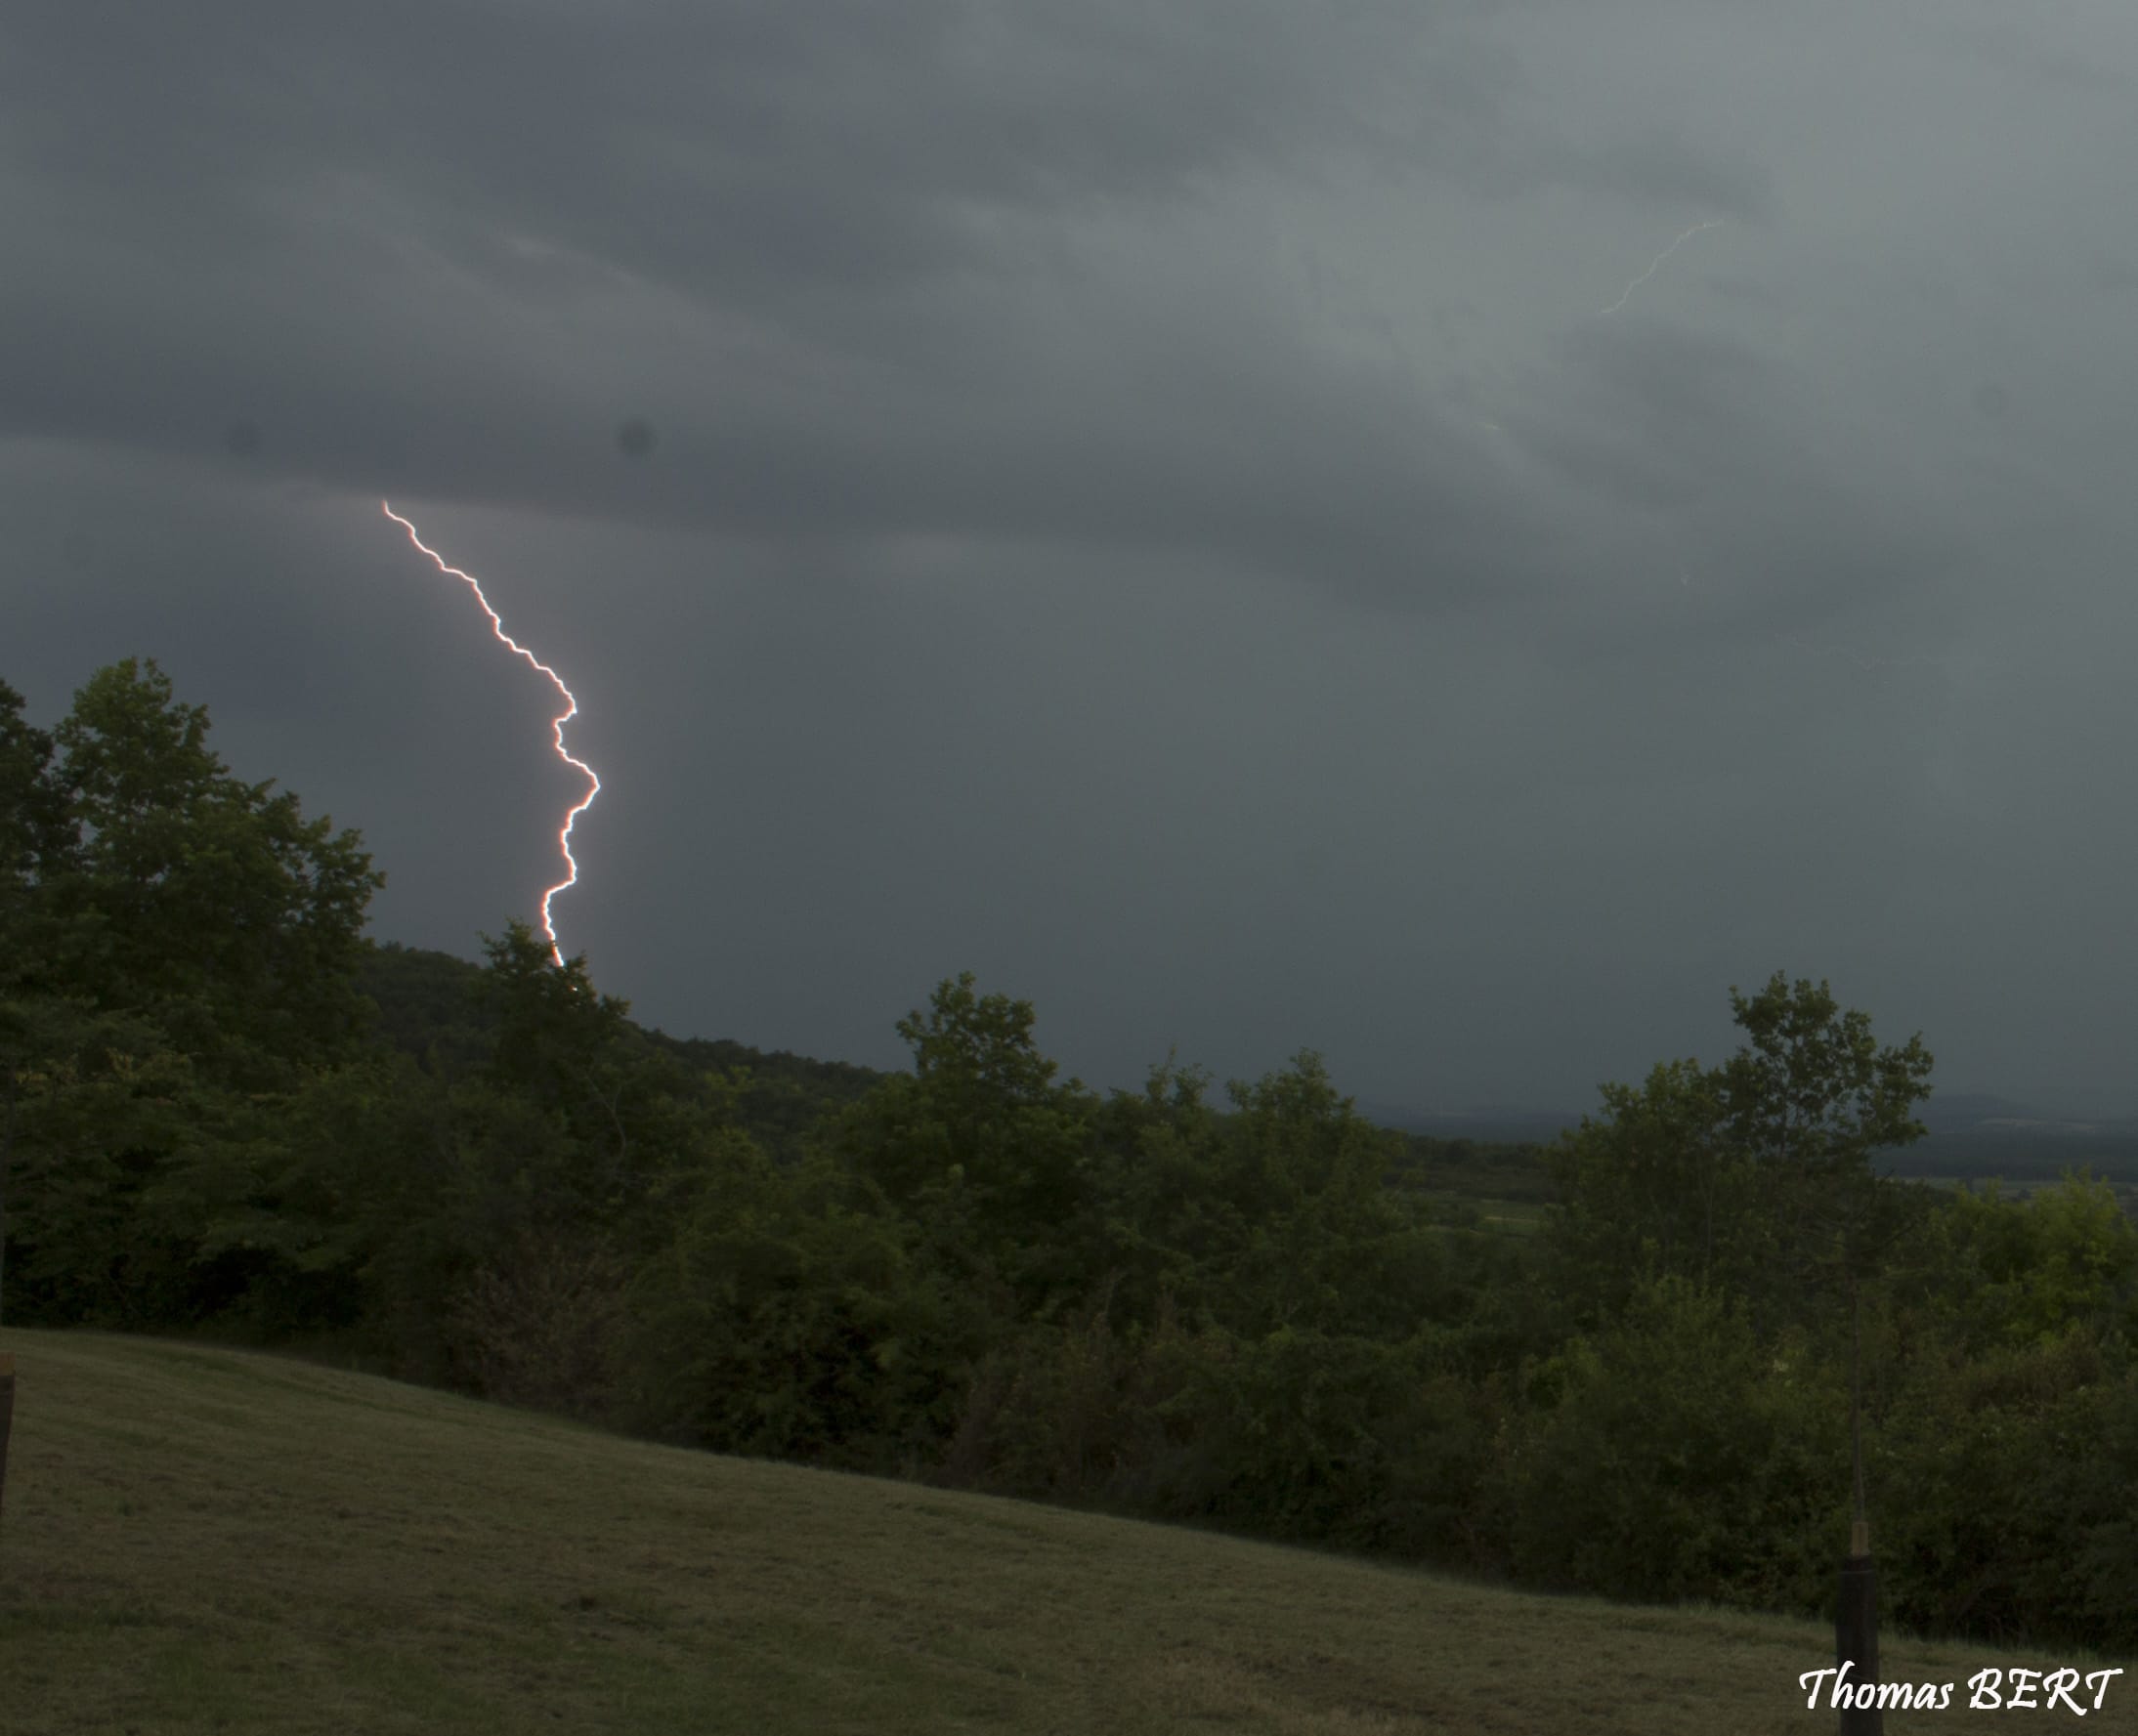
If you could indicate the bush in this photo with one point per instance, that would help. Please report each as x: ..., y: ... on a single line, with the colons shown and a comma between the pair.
x: 543, y: 1326
x: 790, y: 1316
x: 2009, y: 1513
x: 1674, y: 1459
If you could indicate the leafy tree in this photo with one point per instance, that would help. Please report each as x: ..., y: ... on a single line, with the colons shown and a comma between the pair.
x: 790, y: 1315
x: 2015, y: 1523
x: 1809, y: 1099
x: 981, y: 1141
x: 1676, y: 1458
x: 2090, y: 1568
x: 1332, y: 1436
x: 34, y: 837
x: 1756, y: 1175
x: 553, y: 1030
x: 1654, y: 1188
x: 1279, y: 1213
x: 100, y: 1111
x: 2002, y: 1271
x: 31, y: 837
x: 185, y: 892
x: 1159, y: 1157
x: 427, y: 1006
x: 1326, y: 1245
x: 176, y: 954
x: 490, y: 1212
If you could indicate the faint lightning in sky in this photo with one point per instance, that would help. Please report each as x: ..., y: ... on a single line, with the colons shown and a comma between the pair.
x: 1683, y: 238
x: 570, y: 711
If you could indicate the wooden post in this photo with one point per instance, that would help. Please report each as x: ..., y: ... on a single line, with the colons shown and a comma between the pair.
x: 1855, y: 1612
x: 1856, y: 1632
x: 7, y: 1413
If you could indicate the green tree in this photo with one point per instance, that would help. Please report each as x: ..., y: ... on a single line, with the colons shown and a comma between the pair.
x: 2005, y: 1272
x: 1757, y: 1175
x: 175, y: 954
x: 1324, y: 1243
x: 1159, y: 1172
x: 553, y: 1030
x: 102, y: 1113
x: 489, y: 1212
x: 1674, y: 1457
x: 1652, y: 1188
x: 981, y: 1142
x: 185, y: 893
x: 790, y: 1314
x: 2012, y: 1517
x: 1809, y: 1099
x: 34, y: 838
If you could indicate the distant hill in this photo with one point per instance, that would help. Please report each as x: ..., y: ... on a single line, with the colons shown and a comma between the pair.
x: 1972, y: 1133
x: 1492, y: 1125
x: 428, y: 1011
x: 1956, y: 1112
x: 1985, y: 1133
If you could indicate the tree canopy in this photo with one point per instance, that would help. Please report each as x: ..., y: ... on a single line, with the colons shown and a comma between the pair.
x: 163, y: 886
x: 1756, y: 1173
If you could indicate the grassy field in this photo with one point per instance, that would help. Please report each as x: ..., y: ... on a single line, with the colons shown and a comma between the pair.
x: 1471, y: 1214
x: 200, y: 1539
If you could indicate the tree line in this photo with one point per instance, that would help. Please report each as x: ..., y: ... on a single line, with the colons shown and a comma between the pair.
x: 224, y: 1112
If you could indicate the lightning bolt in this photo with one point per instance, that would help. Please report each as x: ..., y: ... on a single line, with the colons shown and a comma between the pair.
x: 1683, y: 238
x: 556, y: 726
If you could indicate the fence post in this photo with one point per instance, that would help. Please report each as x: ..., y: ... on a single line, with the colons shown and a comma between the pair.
x: 1856, y: 1632
x: 7, y: 1413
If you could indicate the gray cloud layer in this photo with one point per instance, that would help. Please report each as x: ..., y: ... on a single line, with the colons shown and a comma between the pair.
x: 1148, y: 506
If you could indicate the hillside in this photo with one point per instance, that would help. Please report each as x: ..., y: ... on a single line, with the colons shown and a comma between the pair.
x: 1970, y: 1136
x: 429, y: 1010
x: 202, y: 1539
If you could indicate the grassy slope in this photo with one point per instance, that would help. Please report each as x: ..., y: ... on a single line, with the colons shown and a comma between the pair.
x: 202, y: 1539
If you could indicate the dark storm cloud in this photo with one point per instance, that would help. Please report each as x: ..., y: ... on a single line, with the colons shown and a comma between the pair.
x: 1716, y: 435
x: 2005, y: 44
x: 1157, y: 479
x: 424, y: 244
x: 1704, y: 413
x: 1660, y: 170
x: 755, y: 154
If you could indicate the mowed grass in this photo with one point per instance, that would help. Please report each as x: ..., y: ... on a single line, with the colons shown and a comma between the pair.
x: 198, y: 1538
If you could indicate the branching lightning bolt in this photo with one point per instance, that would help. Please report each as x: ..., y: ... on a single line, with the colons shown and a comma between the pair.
x: 556, y: 726
x: 1656, y: 262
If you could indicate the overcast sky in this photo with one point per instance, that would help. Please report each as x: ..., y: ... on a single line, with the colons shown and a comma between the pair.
x: 1250, y: 525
